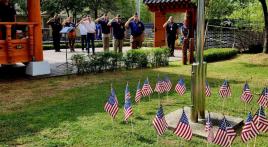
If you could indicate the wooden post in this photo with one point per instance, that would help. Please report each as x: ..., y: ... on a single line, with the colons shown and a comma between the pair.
x: 184, y: 50
x: 35, y: 16
x: 9, y: 44
x: 159, y: 39
x: 191, y: 51
x: 31, y: 42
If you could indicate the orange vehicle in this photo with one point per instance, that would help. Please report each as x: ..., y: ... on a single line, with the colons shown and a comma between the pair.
x: 27, y: 48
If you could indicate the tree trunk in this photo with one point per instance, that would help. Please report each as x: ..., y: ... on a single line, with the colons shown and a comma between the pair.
x: 96, y: 13
x: 265, y: 14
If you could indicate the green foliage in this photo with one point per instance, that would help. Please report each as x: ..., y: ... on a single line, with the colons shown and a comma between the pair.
x: 250, y: 16
x: 217, y: 54
x: 97, y: 44
x: 105, y: 61
x: 218, y: 9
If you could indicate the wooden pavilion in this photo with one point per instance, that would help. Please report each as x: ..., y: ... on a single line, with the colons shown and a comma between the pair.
x: 161, y: 8
x: 27, y: 48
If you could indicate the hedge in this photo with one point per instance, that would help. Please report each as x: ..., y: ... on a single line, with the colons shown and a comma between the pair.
x: 217, y: 54
x: 97, y: 44
x: 110, y: 61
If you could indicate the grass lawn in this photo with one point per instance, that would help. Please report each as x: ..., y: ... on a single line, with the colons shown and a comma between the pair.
x: 69, y: 111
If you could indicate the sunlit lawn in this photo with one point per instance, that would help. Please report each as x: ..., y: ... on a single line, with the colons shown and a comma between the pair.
x: 69, y: 111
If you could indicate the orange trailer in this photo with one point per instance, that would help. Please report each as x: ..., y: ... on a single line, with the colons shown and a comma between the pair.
x: 28, y: 48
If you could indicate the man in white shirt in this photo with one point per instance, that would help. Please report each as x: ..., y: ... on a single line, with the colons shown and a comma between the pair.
x: 91, y: 31
x: 83, y: 32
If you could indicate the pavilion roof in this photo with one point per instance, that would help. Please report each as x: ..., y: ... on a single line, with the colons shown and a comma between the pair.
x: 156, y: 5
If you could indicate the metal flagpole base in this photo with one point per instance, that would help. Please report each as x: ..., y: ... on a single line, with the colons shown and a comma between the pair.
x: 198, y: 91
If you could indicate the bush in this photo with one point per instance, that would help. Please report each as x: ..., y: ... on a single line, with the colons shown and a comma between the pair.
x: 217, y: 54
x: 105, y: 61
x: 49, y: 46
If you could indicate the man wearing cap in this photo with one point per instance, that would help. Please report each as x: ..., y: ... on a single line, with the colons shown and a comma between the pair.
x: 137, y: 31
x: 103, y: 21
x: 118, y: 33
x: 172, y: 32
x: 56, y: 28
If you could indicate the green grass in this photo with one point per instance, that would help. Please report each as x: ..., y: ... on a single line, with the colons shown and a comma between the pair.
x: 69, y: 111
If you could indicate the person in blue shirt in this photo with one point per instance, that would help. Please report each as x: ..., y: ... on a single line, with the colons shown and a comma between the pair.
x: 137, y: 31
x: 103, y: 21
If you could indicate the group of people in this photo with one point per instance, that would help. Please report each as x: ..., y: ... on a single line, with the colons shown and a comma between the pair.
x: 87, y: 29
x: 172, y: 30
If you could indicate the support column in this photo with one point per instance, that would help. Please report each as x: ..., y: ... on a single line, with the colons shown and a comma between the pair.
x: 159, y: 31
x: 34, y: 13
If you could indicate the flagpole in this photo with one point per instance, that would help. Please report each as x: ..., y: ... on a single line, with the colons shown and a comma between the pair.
x: 132, y: 128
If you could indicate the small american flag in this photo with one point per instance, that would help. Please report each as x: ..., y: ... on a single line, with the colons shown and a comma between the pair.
x: 159, y: 87
x: 207, y: 90
x: 263, y: 100
x: 260, y: 120
x: 159, y: 121
x: 138, y: 93
x: 249, y: 130
x: 111, y: 105
x: 208, y: 126
x: 167, y: 84
x: 127, y: 109
x: 146, y: 88
x: 246, y: 96
x: 183, y: 128
x: 225, y: 90
x: 225, y: 134
x: 127, y: 93
x: 180, y: 87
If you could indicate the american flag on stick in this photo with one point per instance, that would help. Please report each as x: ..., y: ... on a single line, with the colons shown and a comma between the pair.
x: 146, y: 88
x: 127, y: 109
x: 263, y: 100
x: 225, y: 134
x: 246, y: 96
x: 111, y: 105
x: 159, y: 121
x: 260, y: 120
x: 159, y: 87
x: 127, y: 93
x: 183, y: 128
x: 225, y: 90
x: 167, y: 84
x: 208, y: 128
x: 180, y: 87
x: 207, y: 90
x: 249, y: 130
x: 138, y: 93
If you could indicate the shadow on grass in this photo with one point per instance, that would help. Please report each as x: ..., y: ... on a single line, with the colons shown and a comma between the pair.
x: 75, y: 102
x: 143, y: 139
x: 251, y: 65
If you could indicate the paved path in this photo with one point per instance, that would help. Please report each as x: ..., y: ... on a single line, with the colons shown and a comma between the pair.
x: 57, y: 59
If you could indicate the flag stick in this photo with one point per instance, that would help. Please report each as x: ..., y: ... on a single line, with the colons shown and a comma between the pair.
x: 167, y: 95
x: 255, y: 141
x: 132, y: 128
x: 149, y: 97
x: 159, y: 98
x: 157, y: 139
x: 245, y: 107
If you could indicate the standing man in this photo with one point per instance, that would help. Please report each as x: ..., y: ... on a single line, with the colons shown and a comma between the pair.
x: 137, y: 31
x: 7, y: 14
x: 118, y: 33
x: 103, y: 21
x: 83, y: 32
x: 172, y: 32
x: 56, y: 28
x: 91, y: 31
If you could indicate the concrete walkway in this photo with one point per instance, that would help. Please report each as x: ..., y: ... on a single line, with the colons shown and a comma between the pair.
x: 57, y: 59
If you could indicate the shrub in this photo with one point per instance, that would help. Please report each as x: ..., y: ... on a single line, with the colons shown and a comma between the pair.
x: 217, y: 54
x: 105, y: 61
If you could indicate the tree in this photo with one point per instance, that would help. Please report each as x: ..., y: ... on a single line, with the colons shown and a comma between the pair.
x: 101, y: 6
x: 265, y: 15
